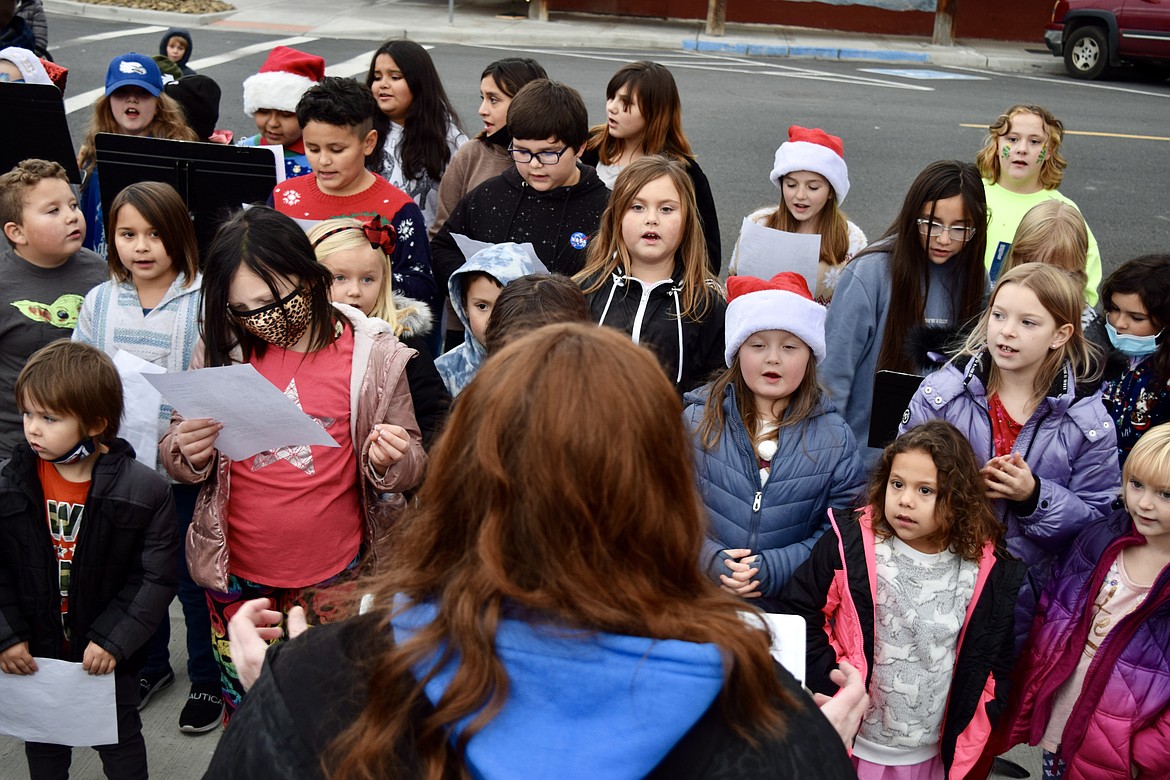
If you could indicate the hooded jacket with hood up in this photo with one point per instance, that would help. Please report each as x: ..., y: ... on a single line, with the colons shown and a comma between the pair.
x: 181, y: 33
x: 1121, y: 720
x: 502, y: 262
x: 834, y: 592
x: 689, y: 350
x: 559, y: 224
x: 1069, y: 443
x: 816, y: 467
x: 579, y: 705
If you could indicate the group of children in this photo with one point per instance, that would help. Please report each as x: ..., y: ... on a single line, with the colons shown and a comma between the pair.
x: 995, y: 501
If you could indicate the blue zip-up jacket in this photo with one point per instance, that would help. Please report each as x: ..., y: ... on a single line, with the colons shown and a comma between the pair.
x: 816, y: 467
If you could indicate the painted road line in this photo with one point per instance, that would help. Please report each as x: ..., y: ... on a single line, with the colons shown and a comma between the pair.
x: 351, y: 67
x: 710, y: 61
x: 1097, y: 134
x: 244, y: 51
x: 108, y: 36
x: 86, y: 99
x: 924, y: 75
x: 1068, y: 82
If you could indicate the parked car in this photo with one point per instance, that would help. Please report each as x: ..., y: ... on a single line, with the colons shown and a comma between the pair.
x: 1095, y: 35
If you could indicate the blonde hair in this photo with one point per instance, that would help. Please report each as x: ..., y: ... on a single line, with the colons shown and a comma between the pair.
x: 337, y: 235
x: 1054, y: 233
x: 1052, y: 168
x: 1149, y: 460
x: 608, y: 252
x: 1064, y: 299
x: 169, y: 122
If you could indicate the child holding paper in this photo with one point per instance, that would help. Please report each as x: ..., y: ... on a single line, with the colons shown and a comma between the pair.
x: 290, y: 524
x: 94, y: 588
x: 813, y: 180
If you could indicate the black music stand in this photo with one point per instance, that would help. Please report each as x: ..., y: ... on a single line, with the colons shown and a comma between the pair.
x: 35, y: 126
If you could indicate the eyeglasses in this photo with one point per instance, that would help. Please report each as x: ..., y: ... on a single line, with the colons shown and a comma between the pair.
x: 546, y: 158
x: 935, y: 229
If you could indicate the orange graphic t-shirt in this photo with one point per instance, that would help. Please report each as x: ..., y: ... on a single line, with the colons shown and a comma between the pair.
x: 64, y: 506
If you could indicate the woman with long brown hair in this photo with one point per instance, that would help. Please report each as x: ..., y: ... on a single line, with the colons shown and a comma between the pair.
x: 544, y: 615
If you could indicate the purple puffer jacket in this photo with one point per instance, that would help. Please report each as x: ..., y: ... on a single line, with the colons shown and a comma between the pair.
x: 1121, y: 721
x: 1069, y: 443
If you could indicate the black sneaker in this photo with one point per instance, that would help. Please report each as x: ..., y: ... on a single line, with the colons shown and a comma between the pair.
x: 203, y: 710
x: 151, y: 683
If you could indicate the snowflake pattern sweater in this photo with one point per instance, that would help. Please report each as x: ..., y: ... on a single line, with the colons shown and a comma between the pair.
x: 302, y: 199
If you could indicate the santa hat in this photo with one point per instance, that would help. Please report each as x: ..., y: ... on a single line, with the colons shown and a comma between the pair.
x: 283, y: 78
x: 783, y: 303
x: 813, y: 150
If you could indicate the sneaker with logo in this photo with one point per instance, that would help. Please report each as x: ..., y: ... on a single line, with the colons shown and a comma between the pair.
x: 203, y: 710
x: 151, y: 683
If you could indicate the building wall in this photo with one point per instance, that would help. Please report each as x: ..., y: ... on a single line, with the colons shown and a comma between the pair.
x: 1010, y: 20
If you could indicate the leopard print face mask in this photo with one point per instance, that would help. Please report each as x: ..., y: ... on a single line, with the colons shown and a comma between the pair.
x: 281, y: 324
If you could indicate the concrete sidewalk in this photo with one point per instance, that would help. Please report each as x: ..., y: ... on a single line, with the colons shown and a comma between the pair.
x: 487, y: 22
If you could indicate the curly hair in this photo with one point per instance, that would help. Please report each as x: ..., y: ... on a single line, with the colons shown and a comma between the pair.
x: 169, y: 122
x: 1051, y: 171
x: 965, y: 518
x: 16, y: 184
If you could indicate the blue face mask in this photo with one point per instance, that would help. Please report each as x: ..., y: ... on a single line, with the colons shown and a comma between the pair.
x: 83, y: 450
x: 1134, y: 346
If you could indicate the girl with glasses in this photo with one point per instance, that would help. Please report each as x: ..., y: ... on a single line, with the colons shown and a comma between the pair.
x: 907, y: 294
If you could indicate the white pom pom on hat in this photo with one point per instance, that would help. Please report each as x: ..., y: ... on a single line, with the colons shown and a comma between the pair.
x: 284, y: 77
x: 782, y: 303
x: 813, y: 150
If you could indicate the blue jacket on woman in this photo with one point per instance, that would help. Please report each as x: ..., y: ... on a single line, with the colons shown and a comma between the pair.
x: 816, y: 467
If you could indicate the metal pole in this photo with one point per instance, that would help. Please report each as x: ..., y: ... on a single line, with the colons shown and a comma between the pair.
x: 451, y: 12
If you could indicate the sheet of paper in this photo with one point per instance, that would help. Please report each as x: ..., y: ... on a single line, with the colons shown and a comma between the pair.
x: 278, y: 155
x: 764, y: 252
x: 140, y: 403
x: 788, y: 638
x: 469, y: 246
x: 256, y: 416
x: 61, y: 704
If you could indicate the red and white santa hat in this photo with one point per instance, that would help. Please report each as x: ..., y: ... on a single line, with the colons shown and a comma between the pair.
x: 782, y: 303
x: 284, y: 77
x: 813, y: 150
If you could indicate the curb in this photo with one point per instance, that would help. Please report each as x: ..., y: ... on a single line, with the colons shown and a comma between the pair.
x: 807, y: 52
x: 136, y: 15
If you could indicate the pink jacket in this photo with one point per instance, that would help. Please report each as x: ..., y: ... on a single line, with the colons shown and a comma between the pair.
x: 378, y: 394
x: 834, y: 590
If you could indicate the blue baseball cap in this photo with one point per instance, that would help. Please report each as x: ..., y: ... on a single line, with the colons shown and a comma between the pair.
x: 134, y: 70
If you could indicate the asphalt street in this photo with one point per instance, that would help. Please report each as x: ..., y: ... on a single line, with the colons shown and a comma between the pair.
x: 894, y: 119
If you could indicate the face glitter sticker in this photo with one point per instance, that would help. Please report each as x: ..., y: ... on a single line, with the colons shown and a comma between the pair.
x: 1043, y: 151
x: 578, y: 240
x: 1006, y: 151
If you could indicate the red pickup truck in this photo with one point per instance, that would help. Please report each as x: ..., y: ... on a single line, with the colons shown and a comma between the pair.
x: 1095, y: 35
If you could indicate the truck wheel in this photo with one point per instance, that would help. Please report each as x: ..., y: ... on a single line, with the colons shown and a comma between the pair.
x: 1086, y: 53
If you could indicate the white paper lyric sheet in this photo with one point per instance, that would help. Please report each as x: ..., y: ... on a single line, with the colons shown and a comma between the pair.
x: 61, y: 704
x: 256, y: 416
